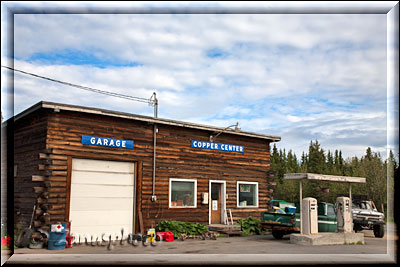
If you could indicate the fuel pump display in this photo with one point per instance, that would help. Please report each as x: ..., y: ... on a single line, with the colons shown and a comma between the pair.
x: 344, y: 215
x: 309, y: 211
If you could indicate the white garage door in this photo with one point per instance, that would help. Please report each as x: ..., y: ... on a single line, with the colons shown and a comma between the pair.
x: 101, y: 200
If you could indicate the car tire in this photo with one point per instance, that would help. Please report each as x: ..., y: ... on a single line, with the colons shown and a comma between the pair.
x: 277, y: 234
x: 379, y: 230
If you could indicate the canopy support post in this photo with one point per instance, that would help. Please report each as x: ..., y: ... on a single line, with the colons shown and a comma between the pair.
x: 301, y: 199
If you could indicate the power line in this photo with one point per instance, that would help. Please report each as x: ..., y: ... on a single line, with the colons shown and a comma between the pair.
x: 151, y: 101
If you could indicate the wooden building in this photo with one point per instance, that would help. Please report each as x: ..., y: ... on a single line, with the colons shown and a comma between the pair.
x: 94, y: 167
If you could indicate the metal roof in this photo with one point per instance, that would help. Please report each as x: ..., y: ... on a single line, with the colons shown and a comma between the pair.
x: 104, y: 112
x: 322, y: 177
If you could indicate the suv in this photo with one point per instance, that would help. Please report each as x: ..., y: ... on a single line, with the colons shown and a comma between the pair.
x: 366, y: 216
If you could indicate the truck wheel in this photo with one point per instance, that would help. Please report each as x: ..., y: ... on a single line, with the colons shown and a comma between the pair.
x: 379, y: 230
x: 277, y: 234
x: 357, y: 227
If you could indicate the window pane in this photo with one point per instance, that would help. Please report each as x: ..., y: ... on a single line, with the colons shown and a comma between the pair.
x: 321, y: 209
x: 331, y: 211
x: 214, y: 192
x: 247, y: 195
x: 182, y: 194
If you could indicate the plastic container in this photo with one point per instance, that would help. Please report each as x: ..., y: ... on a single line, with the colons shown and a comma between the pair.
x: 169, y: 236
x: 69, y: 238
x: 57, y: 238
x: 160, y: 236
x: 166, y: 236
x: 151, y: 232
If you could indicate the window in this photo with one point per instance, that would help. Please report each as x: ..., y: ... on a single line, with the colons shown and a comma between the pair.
x: 247, y: 194
x: 15, y: 170
x: 280, y: 211
x: 322, y: 209
x: 331, y: 210
x: 182, y: 193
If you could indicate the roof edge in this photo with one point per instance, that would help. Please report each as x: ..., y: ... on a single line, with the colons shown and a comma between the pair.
x: 104, y: 112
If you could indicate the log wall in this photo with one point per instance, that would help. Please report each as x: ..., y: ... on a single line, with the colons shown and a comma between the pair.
x: 60, y: 140
x: 29, y: 142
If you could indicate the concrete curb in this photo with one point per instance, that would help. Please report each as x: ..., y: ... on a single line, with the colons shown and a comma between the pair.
x: 327, y: 239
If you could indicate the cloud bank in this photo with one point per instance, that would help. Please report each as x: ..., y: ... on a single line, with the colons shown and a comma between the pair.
x: 301, y: 77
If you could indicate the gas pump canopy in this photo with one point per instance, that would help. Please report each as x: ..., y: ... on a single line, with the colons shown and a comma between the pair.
x: 322, y: 177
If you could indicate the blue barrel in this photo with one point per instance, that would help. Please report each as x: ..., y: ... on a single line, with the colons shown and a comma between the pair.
x: 57, y: 238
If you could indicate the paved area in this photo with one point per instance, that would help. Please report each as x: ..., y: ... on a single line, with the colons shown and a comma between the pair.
x: 233, y: 250
x: 262, y: 244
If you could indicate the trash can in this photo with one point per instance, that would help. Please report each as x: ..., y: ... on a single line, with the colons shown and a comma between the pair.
x: 57, y: 237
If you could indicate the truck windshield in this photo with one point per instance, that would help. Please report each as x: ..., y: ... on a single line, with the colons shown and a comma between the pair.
x: 362, y: 205
x: 281, y: 211
x: 331, y: 210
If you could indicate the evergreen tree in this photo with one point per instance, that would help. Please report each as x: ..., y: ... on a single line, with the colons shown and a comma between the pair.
x: 370, y: 166
x: 316, y: 164
x: 304, y: 163
x: 316, y: 158
x: 330, y: 164
x: 292, y: 166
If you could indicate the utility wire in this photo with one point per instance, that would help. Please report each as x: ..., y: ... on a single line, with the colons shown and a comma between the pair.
x: 139, y: 99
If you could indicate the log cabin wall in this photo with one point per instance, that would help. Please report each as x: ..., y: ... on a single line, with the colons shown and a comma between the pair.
x: 62, y: 131
x: 29, y: 141
x: 64, y: 141
x: 4, y: 179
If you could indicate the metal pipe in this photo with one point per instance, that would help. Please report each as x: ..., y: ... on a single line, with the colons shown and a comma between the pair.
x: 153, y: 197
x: 301, y: 216
x: 351, y: 204
x: 155, y: 105
x: 154, y: 160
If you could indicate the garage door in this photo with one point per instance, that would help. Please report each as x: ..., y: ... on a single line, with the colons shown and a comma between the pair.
x: 102, y: 195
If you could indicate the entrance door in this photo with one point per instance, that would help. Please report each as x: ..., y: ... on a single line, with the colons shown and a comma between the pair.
x: 216, y: 203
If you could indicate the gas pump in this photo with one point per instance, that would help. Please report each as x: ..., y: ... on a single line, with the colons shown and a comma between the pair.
x: 344, y: 215
x: 309, y: 210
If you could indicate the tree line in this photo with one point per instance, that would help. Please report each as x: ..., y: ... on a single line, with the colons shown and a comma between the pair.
x: 371, y: 166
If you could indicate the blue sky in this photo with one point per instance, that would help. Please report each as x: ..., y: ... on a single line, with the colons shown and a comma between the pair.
x: 299, y: 76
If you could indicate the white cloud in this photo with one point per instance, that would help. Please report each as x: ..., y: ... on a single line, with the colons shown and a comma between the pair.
x: 324, y: 75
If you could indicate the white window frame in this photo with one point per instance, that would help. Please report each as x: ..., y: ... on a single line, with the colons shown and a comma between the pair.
x: 195, y: 193
x: 238, y: 192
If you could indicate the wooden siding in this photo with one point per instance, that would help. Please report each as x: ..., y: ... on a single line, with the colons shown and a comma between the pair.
x: 29, y: 141
x: 175, y: 159
x: 4, y: 181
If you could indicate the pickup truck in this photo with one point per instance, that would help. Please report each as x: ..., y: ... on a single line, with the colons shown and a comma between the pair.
x: 366, y: 216
x: 283, y: 221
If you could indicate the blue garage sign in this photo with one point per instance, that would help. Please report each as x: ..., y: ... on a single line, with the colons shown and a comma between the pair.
x: 108, y: 142
x: 217, y: 146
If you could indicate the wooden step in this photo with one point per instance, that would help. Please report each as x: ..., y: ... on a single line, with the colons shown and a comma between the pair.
x: 230, y: 230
